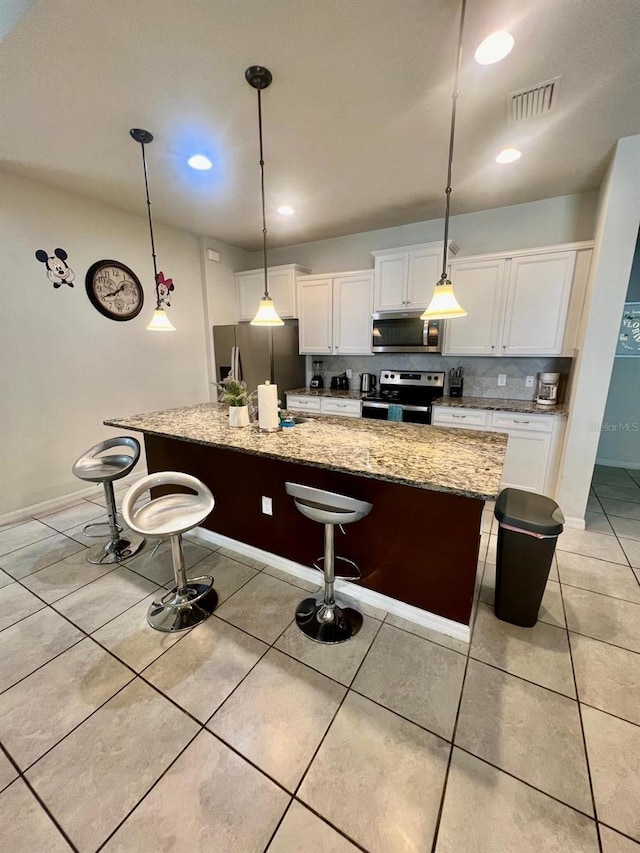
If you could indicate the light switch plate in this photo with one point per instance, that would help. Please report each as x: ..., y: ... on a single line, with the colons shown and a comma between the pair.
x: 529, y: 381
x: 502, y: 380
x: 267, y: 505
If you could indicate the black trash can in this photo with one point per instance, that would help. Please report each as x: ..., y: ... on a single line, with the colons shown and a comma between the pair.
x: 529, y: 526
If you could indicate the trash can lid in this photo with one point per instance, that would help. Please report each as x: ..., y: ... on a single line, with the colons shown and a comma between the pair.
x: 529, y: 511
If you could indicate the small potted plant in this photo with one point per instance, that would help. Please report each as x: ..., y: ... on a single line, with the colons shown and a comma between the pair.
x: 234, y: 393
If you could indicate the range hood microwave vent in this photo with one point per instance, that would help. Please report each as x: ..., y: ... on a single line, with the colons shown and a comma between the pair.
x: 534, y: 101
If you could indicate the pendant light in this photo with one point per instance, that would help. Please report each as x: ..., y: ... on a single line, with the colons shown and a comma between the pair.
x: 160, y: 322
x: 444, y: 305
x: 260, y: 78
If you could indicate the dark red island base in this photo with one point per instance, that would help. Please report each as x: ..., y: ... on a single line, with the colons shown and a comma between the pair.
x: 417, y: 546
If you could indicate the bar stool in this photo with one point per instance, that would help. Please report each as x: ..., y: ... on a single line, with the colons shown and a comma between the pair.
x: 191, y: 601
x: 326, y: 619
x: 94, y: 468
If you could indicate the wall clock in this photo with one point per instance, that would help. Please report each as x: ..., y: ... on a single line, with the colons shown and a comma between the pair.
x: 114, y: 290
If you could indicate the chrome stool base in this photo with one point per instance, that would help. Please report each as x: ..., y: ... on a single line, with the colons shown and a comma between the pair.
x: 101, y: 533
x: 327, y: 623
x: 180, y: 609
x: 115, y: 550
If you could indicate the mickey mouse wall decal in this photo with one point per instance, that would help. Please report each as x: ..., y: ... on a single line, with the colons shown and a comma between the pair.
x: 58, y: 271
x: 165, y: 287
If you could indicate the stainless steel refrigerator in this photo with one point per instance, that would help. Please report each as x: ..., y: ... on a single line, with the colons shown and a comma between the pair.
x: 253, y: 343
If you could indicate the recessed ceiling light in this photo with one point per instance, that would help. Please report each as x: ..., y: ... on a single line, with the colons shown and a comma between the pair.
x: 200, y: 162
x: 494, y: 48
x: 509, y: 155
x: 286, y: 210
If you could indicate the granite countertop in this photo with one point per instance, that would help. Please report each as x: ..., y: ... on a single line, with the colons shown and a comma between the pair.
x: 496, y: 404
x: 326, y: 392
x: 461, y: 462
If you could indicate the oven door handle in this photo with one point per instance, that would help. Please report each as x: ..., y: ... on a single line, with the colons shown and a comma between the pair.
x: 367, y: 405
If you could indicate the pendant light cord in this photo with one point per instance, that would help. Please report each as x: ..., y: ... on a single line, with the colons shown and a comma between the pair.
x: 153, y: 245
x: 264, y: 215
x: 454, y: 101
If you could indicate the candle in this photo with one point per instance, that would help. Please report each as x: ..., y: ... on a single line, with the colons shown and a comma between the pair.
x: 268, y: 406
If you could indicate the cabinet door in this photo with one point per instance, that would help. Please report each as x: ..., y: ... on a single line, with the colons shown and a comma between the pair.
x: 538, y: 294
x: 282, y: 287
x: 251, y: 289
x: 391, y: 275
x: 479, y: 288
x: 425, y: 269
x: 352, y: 306
x: 525, y: 462
x: 315, y: 309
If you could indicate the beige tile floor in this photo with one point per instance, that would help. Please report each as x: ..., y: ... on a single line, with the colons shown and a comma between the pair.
x: 241, y: 735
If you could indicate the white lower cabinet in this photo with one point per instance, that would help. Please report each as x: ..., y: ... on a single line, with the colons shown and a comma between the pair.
x: 533, y: 448
x: 324, y: 405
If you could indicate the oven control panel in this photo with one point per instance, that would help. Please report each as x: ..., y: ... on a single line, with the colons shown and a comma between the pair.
x: 413, y: 378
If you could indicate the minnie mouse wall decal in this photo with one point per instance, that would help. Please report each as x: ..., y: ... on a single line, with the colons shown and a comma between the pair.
x: 164, y: 288
x: 58, y: 271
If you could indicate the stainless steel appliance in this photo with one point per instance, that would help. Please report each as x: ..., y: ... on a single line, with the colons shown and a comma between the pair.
x: 548, y: 384
x: 413, y: 391
x: 404, y: 331
x: 368, y: 382
x: 252, y: 344
x: 316, y: 380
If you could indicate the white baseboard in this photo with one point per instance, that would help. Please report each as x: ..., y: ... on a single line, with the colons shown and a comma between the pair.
x: 574, y: 522
x: 426, y: 619
x: 614, y: 463
x: 62, y: 501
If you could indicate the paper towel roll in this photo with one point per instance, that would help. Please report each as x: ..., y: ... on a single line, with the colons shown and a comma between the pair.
x: 268, y: 406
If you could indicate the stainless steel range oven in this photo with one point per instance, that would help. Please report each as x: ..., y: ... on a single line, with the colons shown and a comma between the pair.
x: 412, y: 390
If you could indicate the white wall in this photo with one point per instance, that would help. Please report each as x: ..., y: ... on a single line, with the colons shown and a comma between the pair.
x: 615, y: 240
x: 63, y: 366
x: 220, y: 292
x: 565, y: 219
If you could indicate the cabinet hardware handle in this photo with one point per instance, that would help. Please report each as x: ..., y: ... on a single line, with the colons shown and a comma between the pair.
x: 458, y: 416
x: 492, y: 346
x: 516, y: 421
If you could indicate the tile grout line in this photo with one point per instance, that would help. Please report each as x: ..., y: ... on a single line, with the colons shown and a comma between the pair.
x: 37, y: 798
x: 584, y: 739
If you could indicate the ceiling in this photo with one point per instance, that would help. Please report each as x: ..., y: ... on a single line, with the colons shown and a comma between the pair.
x: 356, y: 120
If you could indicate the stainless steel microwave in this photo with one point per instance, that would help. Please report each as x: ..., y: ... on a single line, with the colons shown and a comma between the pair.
x: 404, y: 331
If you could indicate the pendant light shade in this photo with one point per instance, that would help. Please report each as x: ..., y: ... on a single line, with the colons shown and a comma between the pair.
x: 260, y: 78
x: 160, y: 322
x: 444, y: 305
x: 267, y: 314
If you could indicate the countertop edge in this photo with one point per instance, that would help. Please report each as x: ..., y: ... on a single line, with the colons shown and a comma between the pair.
x: 433, y: 487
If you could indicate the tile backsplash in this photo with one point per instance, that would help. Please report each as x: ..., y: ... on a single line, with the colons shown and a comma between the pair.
x: 480, y: 374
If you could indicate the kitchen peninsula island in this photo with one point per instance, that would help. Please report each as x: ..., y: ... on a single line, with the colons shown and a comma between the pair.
x: 418, y: 546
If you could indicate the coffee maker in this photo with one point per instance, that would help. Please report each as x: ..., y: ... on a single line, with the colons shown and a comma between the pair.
x: 316, y: 380
x: 548, y: 384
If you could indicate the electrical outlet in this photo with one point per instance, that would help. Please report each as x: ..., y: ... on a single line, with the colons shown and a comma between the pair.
x: 349, y: 373
x: 529, y: 381
x: 502, y: 380
x: 267, y: 505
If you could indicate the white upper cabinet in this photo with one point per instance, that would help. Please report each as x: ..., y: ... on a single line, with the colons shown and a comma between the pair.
x: 405, y: 278
x: 315, y: 310
x: 352, y: 308
x: 479, y: 288
x: 519, y: 304
x: 335, y: 313
x: 537, y: 301
x: 282, y: 288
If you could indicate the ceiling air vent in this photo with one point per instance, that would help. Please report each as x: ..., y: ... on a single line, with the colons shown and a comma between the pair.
x: 535, y: 101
